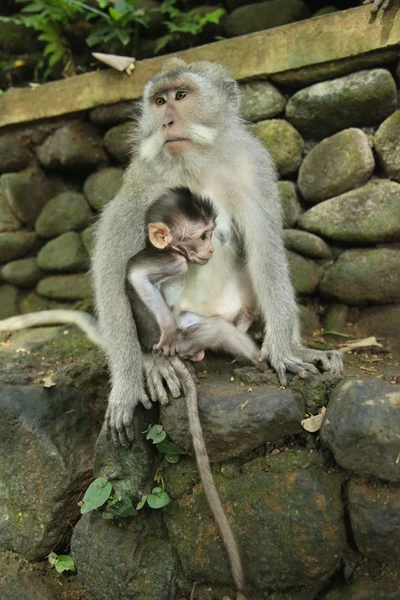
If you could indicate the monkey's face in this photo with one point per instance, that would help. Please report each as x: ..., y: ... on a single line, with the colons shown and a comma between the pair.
x: 198, y: 248
x: 183, y: 110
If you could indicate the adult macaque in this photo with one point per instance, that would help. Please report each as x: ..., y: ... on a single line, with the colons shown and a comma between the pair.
x: 179, y: 227
x: 190, y: 134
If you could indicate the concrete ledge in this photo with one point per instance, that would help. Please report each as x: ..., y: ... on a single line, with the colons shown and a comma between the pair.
x: 313, y: 42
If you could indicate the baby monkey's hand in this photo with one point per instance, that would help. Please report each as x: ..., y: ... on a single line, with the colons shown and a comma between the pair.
x: 169, y: 340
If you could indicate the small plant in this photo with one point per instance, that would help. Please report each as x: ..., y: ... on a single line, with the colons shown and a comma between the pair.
x: 96, y: 495
x: 157, y: 499
x: 61, y: 562
x: 183, y: 26
x: 158, y: 436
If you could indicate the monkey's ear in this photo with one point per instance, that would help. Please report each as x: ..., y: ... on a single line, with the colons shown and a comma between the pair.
x: 159, y: 235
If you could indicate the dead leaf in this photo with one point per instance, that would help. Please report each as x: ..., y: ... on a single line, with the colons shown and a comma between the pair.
x: 242, y: 406
x: 313, y: 424
x: 364, y: 343
x: 48, y: 382
x: 120, y: 63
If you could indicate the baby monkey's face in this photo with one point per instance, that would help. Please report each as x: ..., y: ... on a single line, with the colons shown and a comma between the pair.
x: 198, y: 248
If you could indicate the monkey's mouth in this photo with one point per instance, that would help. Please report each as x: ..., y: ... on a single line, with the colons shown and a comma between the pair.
x: 171, y: 140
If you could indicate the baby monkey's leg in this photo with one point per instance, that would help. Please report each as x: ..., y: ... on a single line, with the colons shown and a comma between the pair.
x: 244, y: 320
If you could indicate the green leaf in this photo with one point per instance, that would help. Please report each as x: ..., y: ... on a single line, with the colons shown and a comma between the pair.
x: 108, y: 515
x: 64, y: 563
x: 141, y: 503
x: 156, y: 434
x: 52, y: 557
x: 121, y: 508
x: 158, y: 498
x: 114, y: 14
x: 96, y: 495
x: 167, y: 447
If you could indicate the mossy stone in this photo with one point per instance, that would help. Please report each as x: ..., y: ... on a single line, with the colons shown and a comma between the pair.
x: 23, y: 273
x: 387, y: 145
x: 336, y: 165
x: 284, y: 143
x: 66, y: 212
x: 335, y: 317
x: 8, y: 221
x: 8, y: 301
x: 14, y: 156
x: 65, y: 287
x: 117, y: 142
x: 370, y: 276
x: 260, y: 100
x: 102, y: 186
x: 65, y: 253
x: 359, y: 99
x: 32, y: 302
x: 291, y: 208
x: 15, y: 244
x: 88, y: 238
x: 367, y: 215
x: 306, y: 244
x: 304, y: 273
x: 264, y: 15
x: 380, y: 321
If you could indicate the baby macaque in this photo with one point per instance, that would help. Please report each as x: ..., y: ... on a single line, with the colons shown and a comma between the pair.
x: 179, y: 227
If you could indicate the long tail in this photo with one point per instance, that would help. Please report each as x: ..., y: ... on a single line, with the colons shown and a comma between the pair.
x: 206, y: 475
x: 215, y: 333
x: 55, y: 317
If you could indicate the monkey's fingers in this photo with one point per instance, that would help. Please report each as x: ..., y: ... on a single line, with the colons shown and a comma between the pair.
x: 171, y: 380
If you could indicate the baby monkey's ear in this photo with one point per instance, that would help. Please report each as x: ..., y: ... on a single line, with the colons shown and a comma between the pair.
x: 159, y: 235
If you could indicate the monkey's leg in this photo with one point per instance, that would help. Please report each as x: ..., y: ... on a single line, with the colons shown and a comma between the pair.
x: 207, y: 479
x: 330, y: 360
x: 244, y: 320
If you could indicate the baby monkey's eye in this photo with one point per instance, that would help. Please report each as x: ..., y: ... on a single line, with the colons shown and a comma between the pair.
x: 160, y: 101
x: 203, y: 237
x: 180, y: 95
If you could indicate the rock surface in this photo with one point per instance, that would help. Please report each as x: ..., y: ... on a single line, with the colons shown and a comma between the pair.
x: 359, y: 99
x: 364, y: 277
x: 229, y: 430
x: 88, y: 238
x: 8, y: 301
x: 381, y: 320
x: 65, y: 287
x: 336, y: 165
x: 23, y: 273
x: 76, y: 145
x: 291, y: 208
x: 65, y: 253
x: 14, y: 156
x: 65, y: 212
x: 27, y: 192
x: 366, y: 589
x: 297, y: 553
x: 42, y: 492
x: 8, y: 220
x: 264, y: 15
x: 375, y: 520
x: 260, y: 100
x: 387, y: 145
x: 368, y: 215
x: 306, y: 244
x: 117, y: 142
x: 284, y: 143
x: 361, y: 428
x: 15, y: 244
x: 102, y: 186
x: 133, y: 561
x: 114, y: 114
x: 304, y: 273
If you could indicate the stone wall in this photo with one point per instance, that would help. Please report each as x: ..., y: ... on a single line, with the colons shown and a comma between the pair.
x: 337, y: 150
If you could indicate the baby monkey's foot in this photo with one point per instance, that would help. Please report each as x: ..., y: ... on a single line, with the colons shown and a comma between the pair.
x: 169, y: 342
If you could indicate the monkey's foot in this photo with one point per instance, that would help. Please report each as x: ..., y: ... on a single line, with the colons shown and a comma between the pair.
x: 119, y: 415
x: 377, y: 4
x: 159, y: 371
x: 330, y: 360
x: 198, y: 356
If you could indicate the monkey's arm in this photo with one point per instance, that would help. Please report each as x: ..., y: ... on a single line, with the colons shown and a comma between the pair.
x: 145, y: 272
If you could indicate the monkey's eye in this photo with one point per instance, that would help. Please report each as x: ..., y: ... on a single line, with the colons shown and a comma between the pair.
x: 203, y: 237
x: 160, y: 101
x: 180, y: 95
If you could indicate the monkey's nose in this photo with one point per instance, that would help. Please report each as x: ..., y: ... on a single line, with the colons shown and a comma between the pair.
x: 168, y: 123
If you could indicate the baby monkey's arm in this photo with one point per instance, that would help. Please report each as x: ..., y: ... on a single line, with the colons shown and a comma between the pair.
x: 145, y: 272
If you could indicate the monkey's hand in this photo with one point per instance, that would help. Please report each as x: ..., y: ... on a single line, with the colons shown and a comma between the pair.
x: 376, y: 4
x: 330, y: 360
x: 286, y: 363
x: 159, y: 371
x: 169, y: 340
x: 119, y: 415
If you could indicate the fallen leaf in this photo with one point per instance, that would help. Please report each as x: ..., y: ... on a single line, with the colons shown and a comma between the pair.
x: 232, y: 379
x: 48, y: 382
x: 250, y: 389
x: 120, y: 63
x: 364, y: 343
x: 242, y: 406
x: 313, y: 424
